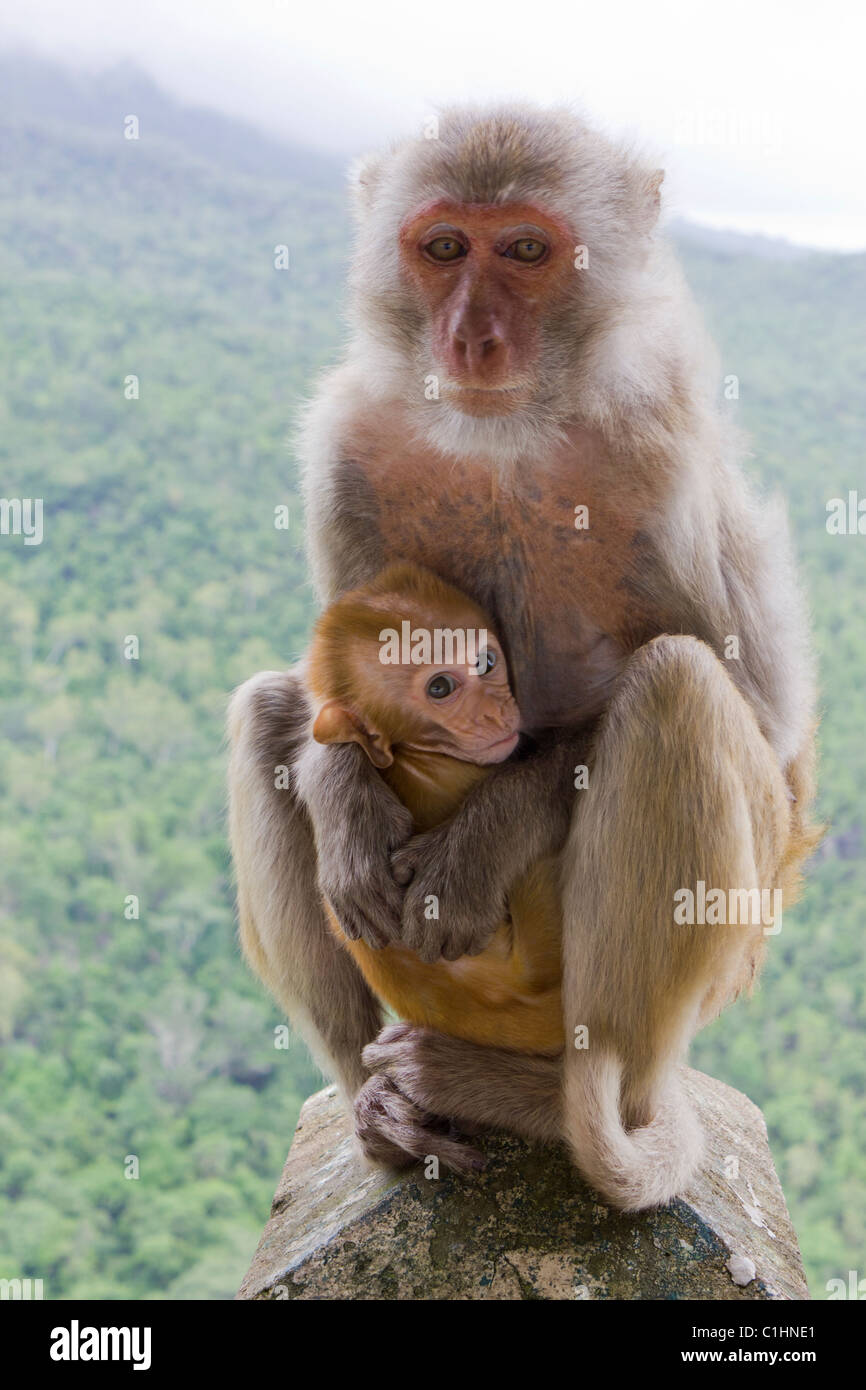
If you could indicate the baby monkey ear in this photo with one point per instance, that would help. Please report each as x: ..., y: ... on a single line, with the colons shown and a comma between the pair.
x: 336, y: 723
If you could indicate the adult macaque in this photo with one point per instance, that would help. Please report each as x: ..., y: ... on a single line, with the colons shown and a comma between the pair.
x: 433, y: 730
x: 528, y: 408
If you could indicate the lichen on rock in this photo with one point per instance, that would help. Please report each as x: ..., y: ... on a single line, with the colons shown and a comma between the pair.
x: 528, y: 1227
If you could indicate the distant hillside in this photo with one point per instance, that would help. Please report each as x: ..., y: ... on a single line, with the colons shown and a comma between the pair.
x: 737, y: 243
x: 41, y: 92
x: 36, y: 91
x: 155, y: 259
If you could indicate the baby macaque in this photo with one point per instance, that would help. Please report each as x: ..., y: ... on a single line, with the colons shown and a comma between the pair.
x: 433, y: 728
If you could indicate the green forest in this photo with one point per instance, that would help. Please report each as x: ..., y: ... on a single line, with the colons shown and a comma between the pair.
x: 152, y: 360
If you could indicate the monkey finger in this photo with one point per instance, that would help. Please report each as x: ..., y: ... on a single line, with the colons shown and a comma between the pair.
x: 477, y: 945
x: 468, y: 920
x: 426, y: 944
x: 357, y: 926
x: 453, y: 948
x: 369, y: 907
x: 421, y: 932
x: 346, y: 921
x: 472, y: 935
x: 374, y: 929
x: 403, y: 865
x: 384, y: 900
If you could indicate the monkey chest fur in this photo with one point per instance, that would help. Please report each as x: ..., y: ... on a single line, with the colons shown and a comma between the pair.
x: 552, y: 554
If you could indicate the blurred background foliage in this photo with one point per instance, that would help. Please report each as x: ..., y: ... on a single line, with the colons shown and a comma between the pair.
x: 147, y: 1036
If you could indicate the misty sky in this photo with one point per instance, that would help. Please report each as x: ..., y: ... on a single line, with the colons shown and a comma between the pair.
x: 756, y: 109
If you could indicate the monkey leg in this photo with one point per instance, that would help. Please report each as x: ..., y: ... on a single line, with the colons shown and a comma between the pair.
x: 683, y: 790
x: 283, y: 929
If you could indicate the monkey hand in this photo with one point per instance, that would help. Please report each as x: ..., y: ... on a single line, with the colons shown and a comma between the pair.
x: 459, y: 874
x: 455, y: 899
x: 357, y: 822
x: 392, y: 1129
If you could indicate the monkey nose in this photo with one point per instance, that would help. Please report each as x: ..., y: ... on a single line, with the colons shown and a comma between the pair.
x: 496, y: 724
x: 475, y: 348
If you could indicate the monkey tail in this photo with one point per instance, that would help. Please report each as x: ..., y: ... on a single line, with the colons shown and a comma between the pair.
x: 631, y: 1169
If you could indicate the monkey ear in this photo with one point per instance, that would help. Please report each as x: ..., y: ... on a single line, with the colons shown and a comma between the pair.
x: 652, y: 197
x: 364, y: 177
x: 336, y: 723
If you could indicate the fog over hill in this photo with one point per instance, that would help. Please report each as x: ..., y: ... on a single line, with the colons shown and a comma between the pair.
x: 41, y: 92
x: 37, y: 91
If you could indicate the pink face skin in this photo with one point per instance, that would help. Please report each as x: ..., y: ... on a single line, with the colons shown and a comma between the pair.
x: 467, y: 714
x: 487, y: 275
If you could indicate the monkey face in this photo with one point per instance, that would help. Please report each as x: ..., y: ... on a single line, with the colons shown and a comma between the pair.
x: 467, y: 711
x: 487, y: 277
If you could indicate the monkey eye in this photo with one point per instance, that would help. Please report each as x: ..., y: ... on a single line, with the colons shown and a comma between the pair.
x: 486, y: 660
x: 528, y: 249
x: 445, y: 248
x: 441, y: 686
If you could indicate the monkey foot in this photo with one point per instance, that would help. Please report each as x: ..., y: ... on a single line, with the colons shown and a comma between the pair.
x: 392, y: 1129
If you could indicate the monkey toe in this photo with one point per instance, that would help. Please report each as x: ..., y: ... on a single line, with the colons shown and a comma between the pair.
x: 377, y: 1056
x: 391, y: 1129
x: 459, y: 1156
x: 395, y: 1032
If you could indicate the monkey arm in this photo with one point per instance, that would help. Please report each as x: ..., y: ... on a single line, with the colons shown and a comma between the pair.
x: 735, y: 587
x: 462, y: 869
x: 357, y: 821
x: 345, y: 546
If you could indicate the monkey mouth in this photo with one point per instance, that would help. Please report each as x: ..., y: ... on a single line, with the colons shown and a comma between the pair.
x: 503, y: 747
x: 487, y: 400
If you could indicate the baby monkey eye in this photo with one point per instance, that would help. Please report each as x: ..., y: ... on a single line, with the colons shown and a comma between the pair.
x: 527, y: 249
x: 486, y: 661
x: 445, y: 248
x: 440, y: 687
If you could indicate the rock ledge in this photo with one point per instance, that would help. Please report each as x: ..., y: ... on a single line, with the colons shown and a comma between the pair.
x: 526, y: 1228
